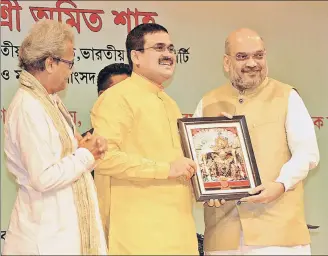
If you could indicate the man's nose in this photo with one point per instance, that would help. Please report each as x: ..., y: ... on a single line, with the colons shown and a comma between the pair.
x: 251, y: 63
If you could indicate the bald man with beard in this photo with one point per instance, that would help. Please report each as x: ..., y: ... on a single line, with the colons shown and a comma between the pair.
x: 285, y: 147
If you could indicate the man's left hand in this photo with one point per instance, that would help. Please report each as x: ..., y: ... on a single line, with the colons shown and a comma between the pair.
x: 78, y: 136
x: 102, y: 145
x: 268, y: 193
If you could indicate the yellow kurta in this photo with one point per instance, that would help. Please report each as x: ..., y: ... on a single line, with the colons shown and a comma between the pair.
x: 149, y: 214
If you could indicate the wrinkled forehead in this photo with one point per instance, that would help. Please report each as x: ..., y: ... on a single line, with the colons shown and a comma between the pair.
x: 247, y: 44
x: 157, y: 38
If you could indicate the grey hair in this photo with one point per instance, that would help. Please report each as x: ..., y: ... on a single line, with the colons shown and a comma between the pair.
x: 227, y: 47
x: 46, y: 39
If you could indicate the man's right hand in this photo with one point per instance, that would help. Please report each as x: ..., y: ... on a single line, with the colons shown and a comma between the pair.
x: 225, y: 114
x: 182, y: 167
x: 216, y: 202
x: 95, y: 144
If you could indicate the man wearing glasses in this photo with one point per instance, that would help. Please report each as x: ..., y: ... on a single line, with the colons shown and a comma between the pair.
x: 56, y: 210
x: 151, y: 200
x: 68, y: 62
x: 285, y: 147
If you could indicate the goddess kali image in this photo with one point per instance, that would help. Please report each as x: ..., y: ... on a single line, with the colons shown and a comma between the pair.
x: 220, y: 158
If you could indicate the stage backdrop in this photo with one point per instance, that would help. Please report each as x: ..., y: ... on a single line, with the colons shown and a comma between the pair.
x: 295, y: 34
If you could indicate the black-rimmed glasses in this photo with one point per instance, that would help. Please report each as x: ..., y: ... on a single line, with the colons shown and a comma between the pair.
x: 70, y: 63
x: 160, y: 48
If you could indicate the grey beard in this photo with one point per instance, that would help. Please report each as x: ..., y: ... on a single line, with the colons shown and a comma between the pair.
x: 240, y: 86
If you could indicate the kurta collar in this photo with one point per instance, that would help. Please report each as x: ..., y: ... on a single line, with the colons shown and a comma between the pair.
x: 148, y: 85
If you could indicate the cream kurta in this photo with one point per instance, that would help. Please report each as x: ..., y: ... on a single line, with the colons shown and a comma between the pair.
x: 44, y: 219
x: 149, y: 214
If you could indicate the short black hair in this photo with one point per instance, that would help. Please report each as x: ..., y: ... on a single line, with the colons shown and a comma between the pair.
x: 107, y: 72
x: 136, y: 38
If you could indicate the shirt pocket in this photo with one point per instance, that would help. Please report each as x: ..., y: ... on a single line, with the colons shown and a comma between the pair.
x: 264, y: 122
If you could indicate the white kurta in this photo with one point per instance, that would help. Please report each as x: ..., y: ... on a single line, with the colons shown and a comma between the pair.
x: 44, y: 218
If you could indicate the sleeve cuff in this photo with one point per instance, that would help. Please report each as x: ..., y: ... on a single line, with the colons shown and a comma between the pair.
x: 286, y: 184
x: 86, y: 158
x: 162, y: 170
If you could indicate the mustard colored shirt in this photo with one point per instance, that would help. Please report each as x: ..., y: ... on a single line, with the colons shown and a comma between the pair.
x: 149, y: 213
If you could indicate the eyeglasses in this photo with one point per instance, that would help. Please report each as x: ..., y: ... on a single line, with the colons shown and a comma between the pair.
x: 70, y: 63
x: 241, y: 56
x: 160, y: 48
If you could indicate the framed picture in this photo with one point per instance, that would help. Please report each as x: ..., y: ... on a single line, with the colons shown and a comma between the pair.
x: 222, y: 150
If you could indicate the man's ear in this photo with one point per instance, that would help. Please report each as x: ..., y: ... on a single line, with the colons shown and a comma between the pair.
x: 226, y: 63
x: 49, y: 65
x: 135, y: 57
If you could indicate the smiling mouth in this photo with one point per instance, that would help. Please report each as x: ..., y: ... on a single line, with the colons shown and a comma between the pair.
x: 166, y: 63
x: 251, y: 71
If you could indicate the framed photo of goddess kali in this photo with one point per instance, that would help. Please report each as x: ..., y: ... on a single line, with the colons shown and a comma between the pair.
x: 222, y: 150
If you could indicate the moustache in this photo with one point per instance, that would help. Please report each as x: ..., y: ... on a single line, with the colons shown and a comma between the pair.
x: 165, y: 59
x: 247, y: 70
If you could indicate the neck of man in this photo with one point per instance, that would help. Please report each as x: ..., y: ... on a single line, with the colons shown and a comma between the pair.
x: 40, y: 76
x: 155, y: 83
x: 242, y: 89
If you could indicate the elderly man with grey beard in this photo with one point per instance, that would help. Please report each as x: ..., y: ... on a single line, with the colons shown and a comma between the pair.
x: 56, y: 210
x: 285, y: 147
